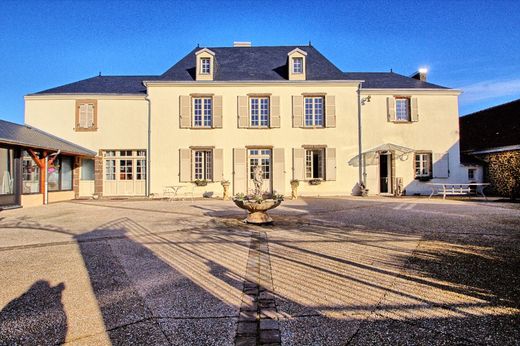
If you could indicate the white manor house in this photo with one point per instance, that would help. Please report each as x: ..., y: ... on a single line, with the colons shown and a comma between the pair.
x: 220, y: 111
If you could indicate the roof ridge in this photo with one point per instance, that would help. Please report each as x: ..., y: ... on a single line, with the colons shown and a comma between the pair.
x: 489, y: 108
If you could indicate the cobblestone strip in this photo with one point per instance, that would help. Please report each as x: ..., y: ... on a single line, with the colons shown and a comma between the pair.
x: 258, y: 320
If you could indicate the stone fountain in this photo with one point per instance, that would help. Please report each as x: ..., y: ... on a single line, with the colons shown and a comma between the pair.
x: 257, y: 204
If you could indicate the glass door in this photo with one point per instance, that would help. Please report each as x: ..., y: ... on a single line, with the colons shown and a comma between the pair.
x: 9, y: 178
x: 262, y: 158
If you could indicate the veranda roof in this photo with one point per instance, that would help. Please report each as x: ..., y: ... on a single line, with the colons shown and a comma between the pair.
x: 370, y: 157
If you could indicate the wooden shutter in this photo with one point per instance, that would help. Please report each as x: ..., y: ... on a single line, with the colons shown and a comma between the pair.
x: 330, y: 168
x: 274, y: 119
x: 390, y: 102
x: 278, y: 170
x: 297, y: 107
x: 239, y: 170
x: 185, y: 111
x: 83, y: 115
x: 218, y: 166
x: 298, y: 163
x: 243, y: 116
x: 441, y: 168
x: 185, y: 165
x: 217, y: 112
x: 90, y: 116
x: 330, y: 111
x: 414, y: 109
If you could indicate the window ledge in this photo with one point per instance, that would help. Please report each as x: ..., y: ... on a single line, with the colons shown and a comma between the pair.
x: 82, y: 129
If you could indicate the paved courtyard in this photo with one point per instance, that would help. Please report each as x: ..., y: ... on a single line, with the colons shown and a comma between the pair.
x: 330, y: 271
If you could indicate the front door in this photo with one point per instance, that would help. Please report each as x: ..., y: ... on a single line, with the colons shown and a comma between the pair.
x: 262, y: 158
x: 385, y: 172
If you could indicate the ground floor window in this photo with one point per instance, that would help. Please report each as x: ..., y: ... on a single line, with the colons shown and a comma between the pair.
x: 30, y: 174
x: 423, y: 165
x: 59, y: 174
x: 6, y: 171
x: 471, y: 173
x: 87, y: 169
x: 124, y: 165
x: 314, y: 164
x: 203, y: 165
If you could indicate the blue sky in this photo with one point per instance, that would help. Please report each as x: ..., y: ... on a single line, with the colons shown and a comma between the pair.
x: 474, y: 46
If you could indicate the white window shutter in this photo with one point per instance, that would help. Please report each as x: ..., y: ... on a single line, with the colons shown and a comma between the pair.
x: 298, y: 163
x: 330, y: 168
x: 243, y: 116
x: 185, y: 165
x: 278, y: 170
x: 330, y: 111
x: 218, y: 165
x: 217, y: 112
x: 441, y: 167
x: 274, y: 115
x: 414, y: 111
x: 390, y: 102
x: 185, y: 111
x: 83, y: 116
x: 90, y: 116
x: 239, y: 170
x: 297, y: 107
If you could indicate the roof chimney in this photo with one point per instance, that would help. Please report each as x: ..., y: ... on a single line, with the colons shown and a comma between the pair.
x: 421, y: 74
x: 241, y: 44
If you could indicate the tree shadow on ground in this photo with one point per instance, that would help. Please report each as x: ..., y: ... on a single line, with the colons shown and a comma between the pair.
x: 37, y: 317
x: 459, y: 283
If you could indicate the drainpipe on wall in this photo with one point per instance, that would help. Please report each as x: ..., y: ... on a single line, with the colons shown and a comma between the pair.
x: 148, y: 153
x: 360, y: 157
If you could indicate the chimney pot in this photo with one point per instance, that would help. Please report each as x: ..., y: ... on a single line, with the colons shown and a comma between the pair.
x: 421, y: 74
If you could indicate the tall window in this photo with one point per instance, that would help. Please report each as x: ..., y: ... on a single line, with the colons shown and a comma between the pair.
x: 125, y: 169
x: 259, y: 111
x: 402, y: 109
x: 203, y: 165
x: 140, y: 169
x: 313, y: 111
x: 30, y: 174
x: 314, y: 164
x: 423, y: 165
x: 59, y: 174
x: 205, y: 65
x: 87, y: 169
x: 202, y: 111
x: 297, y: 65
x: 110, y: 169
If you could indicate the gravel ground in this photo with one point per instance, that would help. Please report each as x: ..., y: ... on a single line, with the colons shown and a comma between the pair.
x: 343, y: 270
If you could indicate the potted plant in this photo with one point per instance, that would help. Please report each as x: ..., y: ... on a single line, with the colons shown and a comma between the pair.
x: 315, y: 181
x: 294, y: 188
x: 201, y: 182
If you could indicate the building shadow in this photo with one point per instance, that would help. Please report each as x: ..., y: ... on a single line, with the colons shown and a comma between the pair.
x: 37, y: 317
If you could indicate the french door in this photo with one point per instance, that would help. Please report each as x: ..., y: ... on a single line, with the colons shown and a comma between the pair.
x: 262, y: 158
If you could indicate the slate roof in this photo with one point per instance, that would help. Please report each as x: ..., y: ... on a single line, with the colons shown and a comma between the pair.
x: 103, y: 85
x: 491, y: 128
x: 26, y: 136
x: 255, y: 63
x: 390, y: 80
x: 267, y: 63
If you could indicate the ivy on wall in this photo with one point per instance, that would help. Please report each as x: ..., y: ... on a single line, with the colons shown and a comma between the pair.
x: 503, y: 173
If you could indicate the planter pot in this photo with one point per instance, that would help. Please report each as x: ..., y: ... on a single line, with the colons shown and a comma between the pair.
x: 201, y: 183
x: 315, y: 182
x: 257, y: 212
x: 225, y: 195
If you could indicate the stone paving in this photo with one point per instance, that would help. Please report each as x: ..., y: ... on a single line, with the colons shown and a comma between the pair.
x: 329, y: 271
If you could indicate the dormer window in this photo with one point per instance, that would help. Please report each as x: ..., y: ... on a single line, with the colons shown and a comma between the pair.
x: 205, y: 69
x: 297, y: 65
x: 205, y: 65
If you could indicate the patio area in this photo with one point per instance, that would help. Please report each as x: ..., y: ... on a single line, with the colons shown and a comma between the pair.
x: 329, y: 271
